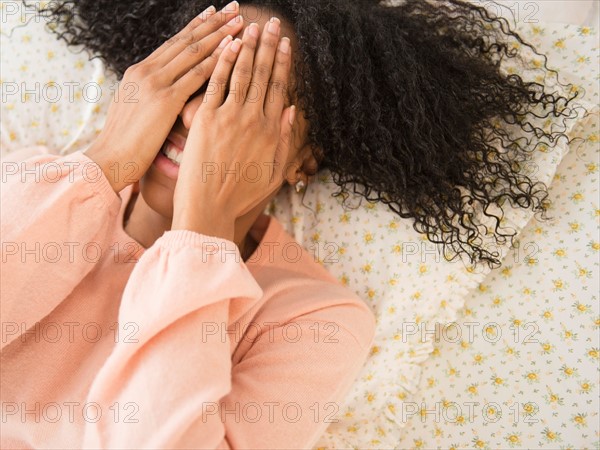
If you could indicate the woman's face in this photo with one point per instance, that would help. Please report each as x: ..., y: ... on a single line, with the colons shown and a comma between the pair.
x: 157, y: 186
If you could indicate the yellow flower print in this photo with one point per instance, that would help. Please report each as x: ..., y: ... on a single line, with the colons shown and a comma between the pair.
x: 513, y: 439
x: 530, y: 408
x: 579, y: 420
x: 532, y: 377
x: 559, y: 285
x: 418, y: 443
x: 478, y: 359
x: 559, y: 44
x: 345, y: 218
x: 582, y: 272
x: 577, y: 197
x: 574, y: 227
x: 535, y: 30
x: 581, y: 308
x: 585, y: 387
x: 568, y: 334
x: 568, y: 371
x: 551, y: 436
x: 553, y: 398
x: 561, y: 252
x: 478, y: 443
x: 547, y: 348
x: 592, y: 353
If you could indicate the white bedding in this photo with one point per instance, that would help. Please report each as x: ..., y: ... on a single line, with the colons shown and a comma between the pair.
x: 393, y: 268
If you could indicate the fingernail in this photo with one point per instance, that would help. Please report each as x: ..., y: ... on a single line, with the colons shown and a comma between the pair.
x: 253, y: 30
x: 292, y: 115
x: 233, y: 22
x: 231, y: 6
x: 235, y: 46
x: 225, y: 41
x: 273, y: 26
x: 207, y: 12
x: 284, y: 45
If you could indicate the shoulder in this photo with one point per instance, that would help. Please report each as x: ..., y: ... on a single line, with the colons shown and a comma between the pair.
x: 297, y: 289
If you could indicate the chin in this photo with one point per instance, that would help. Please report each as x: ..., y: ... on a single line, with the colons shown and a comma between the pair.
x: 157, y: 191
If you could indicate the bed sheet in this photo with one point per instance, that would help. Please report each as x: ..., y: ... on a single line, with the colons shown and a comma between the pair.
x: 519, y: 367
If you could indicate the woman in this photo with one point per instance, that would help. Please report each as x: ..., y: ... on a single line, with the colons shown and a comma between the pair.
x: 218, y: 353
x: 188, y: 347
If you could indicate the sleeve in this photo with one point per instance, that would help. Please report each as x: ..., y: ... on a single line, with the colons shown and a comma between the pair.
x: 57, y: 216
x: 174, y: 381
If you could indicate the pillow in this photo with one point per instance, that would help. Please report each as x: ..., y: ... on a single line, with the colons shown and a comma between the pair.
x: 398, y: 272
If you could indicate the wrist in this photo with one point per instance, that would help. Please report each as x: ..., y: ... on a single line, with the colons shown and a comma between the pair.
x: 117, y: 172
x: 222, y: 228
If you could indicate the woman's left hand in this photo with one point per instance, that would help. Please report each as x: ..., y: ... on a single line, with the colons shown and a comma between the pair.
x: 238, y: 143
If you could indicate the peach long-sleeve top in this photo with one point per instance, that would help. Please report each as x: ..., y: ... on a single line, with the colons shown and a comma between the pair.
x: 106, y: 344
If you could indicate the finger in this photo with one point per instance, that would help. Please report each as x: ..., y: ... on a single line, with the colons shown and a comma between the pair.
x: 263, y: 62
x: 215, y: 91
x: 242, y: 72
x: 200, y: 73
x: 278, y: 86
x: 195, y: 22
x: 287, y: 121
x: 195, y: 52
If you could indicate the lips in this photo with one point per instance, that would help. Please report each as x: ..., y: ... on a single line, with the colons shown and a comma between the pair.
x: 177, y: 140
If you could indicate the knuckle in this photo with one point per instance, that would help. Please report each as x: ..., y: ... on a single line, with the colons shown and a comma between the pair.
x: 262, y: 70
x: 188, y: 38
x: 152, y: 83
x: 281, y: 59
x: 194, y: 48
x: 269, y: 43
x: 201, y: 71
x: 172, y: 40
x: 243, y: 70
x: 221, y: 81
x: 249, y: 120
x: 251, y: 44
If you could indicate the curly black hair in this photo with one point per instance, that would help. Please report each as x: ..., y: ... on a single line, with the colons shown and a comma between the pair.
x: 409, y: 102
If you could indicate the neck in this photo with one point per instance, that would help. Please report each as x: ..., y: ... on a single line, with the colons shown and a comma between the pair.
x: 145, y: 225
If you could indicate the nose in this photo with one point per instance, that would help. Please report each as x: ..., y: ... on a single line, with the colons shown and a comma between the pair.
x: 189, y: 110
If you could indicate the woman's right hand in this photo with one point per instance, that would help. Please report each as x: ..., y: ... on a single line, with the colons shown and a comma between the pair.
x: 154, y: 91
